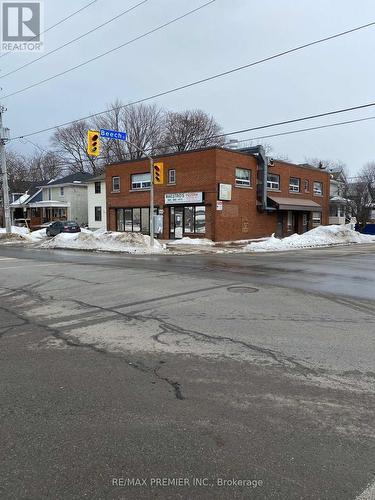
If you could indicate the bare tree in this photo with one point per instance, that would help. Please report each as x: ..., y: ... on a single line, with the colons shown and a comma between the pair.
x: 70, y: 145
x: 144, y: 125
x: 368, y: 176
x: 360, y: 201
x: 190, y: 129
x: 44, y: 166
x: 18, y: 171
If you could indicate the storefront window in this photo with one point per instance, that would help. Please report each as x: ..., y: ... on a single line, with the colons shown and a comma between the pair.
x: 128, y: 219
x: 145, y: 220
x: 136, y: 219
x: 120, y: 219
x: 189, y: 219
x: 200, y: 219
x: 317, y: 219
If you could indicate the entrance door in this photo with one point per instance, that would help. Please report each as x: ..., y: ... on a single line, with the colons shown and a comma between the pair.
x: 279, y: 225
x: 178, y: 222
x: 176, y: 218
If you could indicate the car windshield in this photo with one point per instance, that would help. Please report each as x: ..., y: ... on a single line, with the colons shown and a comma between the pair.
x: 71, y: 224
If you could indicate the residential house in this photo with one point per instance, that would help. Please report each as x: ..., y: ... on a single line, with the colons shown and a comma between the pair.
x: 339, y: 208
x: 218, y: 193
x: 61, y: 199
x: 96, y: 202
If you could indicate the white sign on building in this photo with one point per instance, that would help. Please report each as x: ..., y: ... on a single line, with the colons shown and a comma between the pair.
x: 225, y: 192
x: 183, y: 198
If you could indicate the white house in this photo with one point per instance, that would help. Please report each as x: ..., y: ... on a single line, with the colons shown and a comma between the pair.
x: 338, y: 206
x: 96, y: 203
x: 61, y: 199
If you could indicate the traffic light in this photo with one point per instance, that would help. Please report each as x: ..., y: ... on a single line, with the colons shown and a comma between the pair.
x: 158, y: 172
x: 93, y: 143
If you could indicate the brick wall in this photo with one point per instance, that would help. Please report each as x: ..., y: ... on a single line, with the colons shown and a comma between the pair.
x: 203, y: 170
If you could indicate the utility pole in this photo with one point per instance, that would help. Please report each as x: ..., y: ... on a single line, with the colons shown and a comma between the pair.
x: 4, y: 138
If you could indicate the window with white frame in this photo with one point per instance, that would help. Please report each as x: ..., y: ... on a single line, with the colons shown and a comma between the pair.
x: 115, y: 184
x: 98, y: 187
x: 273, y: 182
x: 318, y: 188
x: 243, y: 177
x: 171, y: 176
x: 294, y: 184
x: 317, y: 219
x: 140, y: 181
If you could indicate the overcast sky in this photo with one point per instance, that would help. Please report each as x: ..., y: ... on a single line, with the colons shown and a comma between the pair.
x: 228, y: 33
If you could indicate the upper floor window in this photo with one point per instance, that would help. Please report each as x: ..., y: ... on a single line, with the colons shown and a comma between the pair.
x: 273, y: 181
x: 116, y: 184
x: 61, y: 191
x: 306, y: 185
x: 141, y: 181
x: 49, y: 193
x: 98, y: 187
x: 318, y: 188
x: 294, y: 184
x: 243, y: 177
x: 171, y: 176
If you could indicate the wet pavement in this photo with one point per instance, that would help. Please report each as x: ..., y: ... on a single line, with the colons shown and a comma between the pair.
x: 211, y: 369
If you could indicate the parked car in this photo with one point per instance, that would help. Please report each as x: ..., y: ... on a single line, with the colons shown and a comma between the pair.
x: 62, y: 227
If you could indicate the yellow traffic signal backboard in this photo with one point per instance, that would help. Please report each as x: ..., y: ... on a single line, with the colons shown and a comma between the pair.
x: 158, y: 176
x: 93, y: 143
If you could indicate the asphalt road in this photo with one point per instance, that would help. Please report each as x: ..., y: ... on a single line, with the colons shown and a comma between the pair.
x: 173, y: 377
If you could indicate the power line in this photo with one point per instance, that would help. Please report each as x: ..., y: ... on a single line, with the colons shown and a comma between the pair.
x: 336, y: 124
x: 55, y: 25
x: 158, y: 28
x: 241, y: 131
x: 198, y: 82
x: 75, y: 39
x: 232, y: 133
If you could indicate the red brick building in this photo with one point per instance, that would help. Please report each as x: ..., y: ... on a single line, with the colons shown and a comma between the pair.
x: 220, y: 194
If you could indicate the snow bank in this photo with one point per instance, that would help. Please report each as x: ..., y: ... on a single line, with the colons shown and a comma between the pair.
x: 38, y: 235
x: 107, y: 241
x: 192, y: 241
x: 22, y: 231
x: 320, y: 236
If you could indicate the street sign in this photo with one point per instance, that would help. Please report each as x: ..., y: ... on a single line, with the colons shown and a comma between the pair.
x: 112, y: 134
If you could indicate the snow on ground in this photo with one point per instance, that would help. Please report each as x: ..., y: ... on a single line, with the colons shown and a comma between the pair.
x: 317, y: 237
x: 22, y: 231
x: 107, y: 241
x: 192, y: 241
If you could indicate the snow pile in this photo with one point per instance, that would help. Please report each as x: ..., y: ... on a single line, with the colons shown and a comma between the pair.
x: 106, y: 241
x: 17, y: 234
x: 320, y: 236
x: 38, y: 235
x: 22, y: 231
x: 192, y: 241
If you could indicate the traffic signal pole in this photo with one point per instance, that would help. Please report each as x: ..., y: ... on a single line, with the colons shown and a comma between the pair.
x: 4, y: 137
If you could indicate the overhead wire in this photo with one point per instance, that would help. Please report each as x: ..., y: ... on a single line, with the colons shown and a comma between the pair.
x: 80, y: 37
x: 99, y: 56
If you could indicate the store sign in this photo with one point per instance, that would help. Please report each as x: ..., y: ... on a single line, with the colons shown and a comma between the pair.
x: 183, y: 198
x: 225, y: 192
